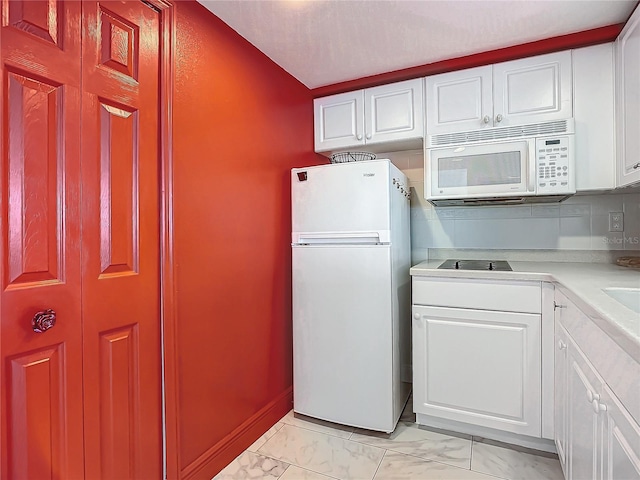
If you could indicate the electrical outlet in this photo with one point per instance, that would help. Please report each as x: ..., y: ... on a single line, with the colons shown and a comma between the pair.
x: 616, y: 222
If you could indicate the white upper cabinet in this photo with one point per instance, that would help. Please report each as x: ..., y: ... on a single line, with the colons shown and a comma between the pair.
x: 628, y: 101
x: 593, y: 103
x: 530, y: 90
x: 338, y: 120
x: 374, y: 116
x: 460, y: 101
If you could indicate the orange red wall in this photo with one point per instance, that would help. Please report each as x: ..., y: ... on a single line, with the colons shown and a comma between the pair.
x: 240, y: 124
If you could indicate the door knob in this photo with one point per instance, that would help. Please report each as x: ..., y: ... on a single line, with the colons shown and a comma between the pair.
x: 636, y: 166
x: 43, y: 321
x: 557, y: 305
x: 486, y: 119
x: 498, y: 118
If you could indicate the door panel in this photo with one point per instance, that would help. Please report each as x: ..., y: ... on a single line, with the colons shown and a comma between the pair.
x: 120, y: 249
x: 584, y: 425
x: 37, y: 18
x: 478, y: 366
x: 533, y: 90
x: 561, y: 399
x: 394, y: 112
x: 628, y: 100
x: 339, y: 121
x: 33, y: 248
x: 621, y: 442
x: 41, y: 373
x: 119, y: 190
x: 459, y: 101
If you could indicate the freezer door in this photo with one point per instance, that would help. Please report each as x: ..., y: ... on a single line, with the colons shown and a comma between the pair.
x: 348, y: 197
x: 342, y: 329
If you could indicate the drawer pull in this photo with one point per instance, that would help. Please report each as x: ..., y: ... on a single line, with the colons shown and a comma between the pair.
x: 592, y: 396
x: 598, y: 407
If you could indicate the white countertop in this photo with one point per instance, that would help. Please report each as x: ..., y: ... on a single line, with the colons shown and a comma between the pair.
x: 580, y: 282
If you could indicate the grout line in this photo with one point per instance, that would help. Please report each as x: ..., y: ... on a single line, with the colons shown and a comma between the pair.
x: 317, y: 473
x: 430, y: 460
x: 379, y: 463
x: 288, y: 465
x: 391, y: 449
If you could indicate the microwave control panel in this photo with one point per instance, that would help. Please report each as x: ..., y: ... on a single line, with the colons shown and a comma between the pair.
x: 552, y: 165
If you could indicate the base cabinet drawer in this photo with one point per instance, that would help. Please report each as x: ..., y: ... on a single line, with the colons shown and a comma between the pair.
x: 478, y: 367
x: 502, y: 295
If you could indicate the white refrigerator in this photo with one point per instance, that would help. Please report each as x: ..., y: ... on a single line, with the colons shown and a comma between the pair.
x: 351, y: 255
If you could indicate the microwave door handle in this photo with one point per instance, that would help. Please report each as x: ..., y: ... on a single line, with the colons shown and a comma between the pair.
x: 532, y: 166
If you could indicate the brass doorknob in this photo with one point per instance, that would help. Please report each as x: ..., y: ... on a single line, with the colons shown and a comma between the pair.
x: 43, y: 321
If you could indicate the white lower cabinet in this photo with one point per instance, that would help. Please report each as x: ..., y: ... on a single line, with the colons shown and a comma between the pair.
x: 477, y: 357
x: 477, y: 366
x: 621, y: 440
x: 584, y: 418
x: 561, y: 394
x: 596, y: 437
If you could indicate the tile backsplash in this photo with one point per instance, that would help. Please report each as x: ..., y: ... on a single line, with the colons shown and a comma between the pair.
x: 579, y: 223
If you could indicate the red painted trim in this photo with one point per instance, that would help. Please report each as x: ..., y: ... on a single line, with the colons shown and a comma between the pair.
x: 167, y: 262
x: 539, y: 47
x: 220, y: 455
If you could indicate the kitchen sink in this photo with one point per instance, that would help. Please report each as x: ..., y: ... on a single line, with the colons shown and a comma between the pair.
x: 629, y: 297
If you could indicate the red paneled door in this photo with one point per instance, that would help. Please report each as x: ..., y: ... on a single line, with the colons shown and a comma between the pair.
x: 79, y: 235
x: 120, y: 241
x: 41, y: 374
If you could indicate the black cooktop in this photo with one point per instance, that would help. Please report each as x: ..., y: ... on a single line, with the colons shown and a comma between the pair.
x: 498, y: 265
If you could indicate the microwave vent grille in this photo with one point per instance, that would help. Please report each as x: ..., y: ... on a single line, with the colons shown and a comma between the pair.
x: 501, y: 133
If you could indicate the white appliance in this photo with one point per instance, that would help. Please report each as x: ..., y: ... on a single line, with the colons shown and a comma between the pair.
x: 504, y: 169
x: 351, y: 293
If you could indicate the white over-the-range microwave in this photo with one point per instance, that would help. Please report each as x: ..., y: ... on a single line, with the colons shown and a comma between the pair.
x: 503, y: 169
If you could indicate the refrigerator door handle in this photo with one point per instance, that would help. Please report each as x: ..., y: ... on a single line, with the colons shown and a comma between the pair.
x: 316, y: 238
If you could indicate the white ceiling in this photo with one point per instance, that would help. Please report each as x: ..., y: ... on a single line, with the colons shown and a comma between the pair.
x: 322, y: 42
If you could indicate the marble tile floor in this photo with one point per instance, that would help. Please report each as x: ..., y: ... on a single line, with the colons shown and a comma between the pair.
x: 301, y: 448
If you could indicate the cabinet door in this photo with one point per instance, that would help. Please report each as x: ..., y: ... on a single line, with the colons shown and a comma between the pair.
x: 532, y: 90
x: 561, y: 392
x: 593, y: 93
x: 479, y: 367
x: 628, y: 101
x: 621, y: 440
x: 394, y: 112
x: 459, y: 101
x: 584, y: 432
x: 339, y: 121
